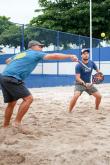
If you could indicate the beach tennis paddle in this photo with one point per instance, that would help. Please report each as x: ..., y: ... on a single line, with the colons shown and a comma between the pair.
x: 97, y: 78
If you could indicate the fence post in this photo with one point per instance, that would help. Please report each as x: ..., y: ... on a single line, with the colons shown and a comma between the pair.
x: 57, y: 50
x: 99, y: 54
x: 22, y: 38
x: 79, y: 45
x: 42, y: 67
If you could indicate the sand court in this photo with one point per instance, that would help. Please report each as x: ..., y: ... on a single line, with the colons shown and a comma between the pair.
x: 56, y: 137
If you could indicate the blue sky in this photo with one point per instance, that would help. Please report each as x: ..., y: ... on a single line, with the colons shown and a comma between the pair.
x: 20, y: 11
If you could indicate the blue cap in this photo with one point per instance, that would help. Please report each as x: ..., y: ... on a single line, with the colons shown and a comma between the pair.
x: 84, y: 50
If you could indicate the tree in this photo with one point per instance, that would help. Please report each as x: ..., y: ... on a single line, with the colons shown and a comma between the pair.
x: 11, y: 36
x: 73, y: 16
x: 10, y: 33
x: 4, y: 23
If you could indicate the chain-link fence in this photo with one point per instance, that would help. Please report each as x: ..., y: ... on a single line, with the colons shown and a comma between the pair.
x: 17, y: 37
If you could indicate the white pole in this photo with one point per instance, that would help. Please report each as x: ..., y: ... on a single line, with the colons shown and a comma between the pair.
x: 91, y: 29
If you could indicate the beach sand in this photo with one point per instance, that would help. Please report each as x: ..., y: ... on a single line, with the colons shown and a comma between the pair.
x: 56, y: 137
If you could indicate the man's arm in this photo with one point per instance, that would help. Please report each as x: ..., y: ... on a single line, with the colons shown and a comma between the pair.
x: 60, y: 56
x: 97, y: 70
x: 78, y: 78
x: 95, y: 67
x: 8, y: 60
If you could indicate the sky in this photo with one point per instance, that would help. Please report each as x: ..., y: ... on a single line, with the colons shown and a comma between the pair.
x: 19, y: 11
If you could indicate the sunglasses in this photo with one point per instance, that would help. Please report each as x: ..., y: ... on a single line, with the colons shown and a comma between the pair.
x: 41, y: 46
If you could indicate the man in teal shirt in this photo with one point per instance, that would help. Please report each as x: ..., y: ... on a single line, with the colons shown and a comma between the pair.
x: 17, y: 70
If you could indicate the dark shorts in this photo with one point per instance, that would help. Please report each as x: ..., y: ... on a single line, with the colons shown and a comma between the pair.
x: 13, y: 89
x: 82, y: 88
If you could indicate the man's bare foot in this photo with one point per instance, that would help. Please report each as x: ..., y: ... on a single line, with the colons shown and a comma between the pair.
x: 21, y: 128
x: 97, y: 108
x: 16, y: 124
x: 5, y: 126
x: 70, y: 111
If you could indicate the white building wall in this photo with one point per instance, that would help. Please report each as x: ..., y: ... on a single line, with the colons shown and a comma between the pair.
x: 67, y: 68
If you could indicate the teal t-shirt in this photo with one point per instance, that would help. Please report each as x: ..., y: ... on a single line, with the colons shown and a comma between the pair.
x: 23, y: 64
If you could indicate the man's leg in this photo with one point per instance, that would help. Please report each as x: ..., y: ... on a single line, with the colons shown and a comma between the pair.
x: 23, y: 109
x: 74, y: 100
x: 8, y: 113
x: 97, y: 96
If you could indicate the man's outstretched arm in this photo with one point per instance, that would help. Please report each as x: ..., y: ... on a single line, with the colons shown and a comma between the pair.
x: 60, y: 56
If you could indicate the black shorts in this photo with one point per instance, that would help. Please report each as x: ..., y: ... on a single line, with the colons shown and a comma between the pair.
x: 13, y: 89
